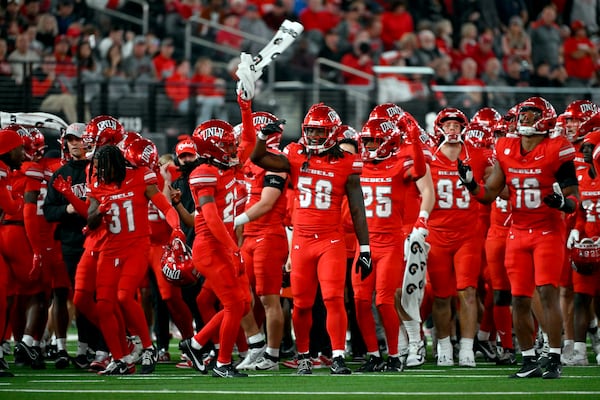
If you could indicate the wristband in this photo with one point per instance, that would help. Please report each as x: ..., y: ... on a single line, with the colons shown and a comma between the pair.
x: 262, y: 136
x: 364, y: 248
x: 424, y: 214
x: 241, y: 219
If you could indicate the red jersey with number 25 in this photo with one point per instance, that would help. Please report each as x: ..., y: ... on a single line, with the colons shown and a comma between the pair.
x: 319, y: 189
x: 529, y: 178
x: 128, y: 215
x: 384, y: 189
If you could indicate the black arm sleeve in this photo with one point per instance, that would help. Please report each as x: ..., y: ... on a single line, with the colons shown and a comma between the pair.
x: 565, y: 176
x: 274, y: 181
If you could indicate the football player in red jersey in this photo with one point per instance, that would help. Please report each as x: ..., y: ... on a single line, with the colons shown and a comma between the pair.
x: 540, y: 176
x: 265, y: 248
x: 586, y: 283
x: 322, y: 175
x: 215, y: 251
x: 12, y: 156
x: 21, y: 244
x: 384, y: 180
x: 119, y: 201
x: 575, y: 126
x: 454, y: 261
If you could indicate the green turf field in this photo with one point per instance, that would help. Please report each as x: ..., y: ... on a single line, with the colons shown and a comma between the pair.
x: 487, y: 381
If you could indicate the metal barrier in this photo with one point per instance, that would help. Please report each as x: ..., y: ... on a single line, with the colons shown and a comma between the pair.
x: 153, y: 113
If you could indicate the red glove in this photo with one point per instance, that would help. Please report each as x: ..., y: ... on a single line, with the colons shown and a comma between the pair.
x: 244, y: 104
x: 420, y: 226
x: 62, y: 185
x: 177, y: 234
x: 35, y: 274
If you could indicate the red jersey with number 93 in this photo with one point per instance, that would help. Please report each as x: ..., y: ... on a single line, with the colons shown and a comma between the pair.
x: 319, y: 189
x: 529, y: 178
x: 128, y: 215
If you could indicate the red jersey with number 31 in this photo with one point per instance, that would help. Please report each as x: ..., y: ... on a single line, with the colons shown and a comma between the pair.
x: 127, y: 218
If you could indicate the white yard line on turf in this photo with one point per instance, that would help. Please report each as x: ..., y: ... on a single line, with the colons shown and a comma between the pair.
x: 282, y: 393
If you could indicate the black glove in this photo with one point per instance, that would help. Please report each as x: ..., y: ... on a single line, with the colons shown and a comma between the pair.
x: 556, y: 199
x: 364, y: 264
x: 271, y: 128
x: 465, y: 174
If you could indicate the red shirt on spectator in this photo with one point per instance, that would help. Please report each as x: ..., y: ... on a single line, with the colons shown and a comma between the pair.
x: 581, y: 66
x: 163, y: 66
x: 320, y: 20
x: 207, y: 86
x: 177, y: 88
x: 482, y: 52
x: 394, y: 25
x: 365, y: 64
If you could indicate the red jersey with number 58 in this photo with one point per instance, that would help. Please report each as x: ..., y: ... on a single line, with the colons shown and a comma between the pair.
x: 319, y: 188
x: 127, y: 218
x: 530, y: 177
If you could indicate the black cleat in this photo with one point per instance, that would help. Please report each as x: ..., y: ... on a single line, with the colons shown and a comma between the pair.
x: 338, y: 367
x: 61, y: 359
x: 530, y: 369
x: 227, y: 371
x: 373, y: 364
x: 553, y: 369
x: 394, y: 364
x: 195, y: 356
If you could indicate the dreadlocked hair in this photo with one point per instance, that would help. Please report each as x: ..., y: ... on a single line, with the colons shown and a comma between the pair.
x: 112, y: 166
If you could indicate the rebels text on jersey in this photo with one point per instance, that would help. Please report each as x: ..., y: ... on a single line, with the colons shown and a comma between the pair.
x: 530, y: 177
x: 319, y: 189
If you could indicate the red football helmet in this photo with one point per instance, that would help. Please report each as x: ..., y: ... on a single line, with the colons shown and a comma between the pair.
x: 347, y: 132
x: 585, y: 256
x: 176, y: 264
x: 576, y: 114
x: 450, y: 114
x: 262, y: 118
x: 389, y: 111
x: 510, y: 118
x: 128, y: 138
x: 100, y: 131
x: 215, y: 141
x: 380, y: 139
x: 142, y: 153
x: 479, y: 135
x: 38, y: 144
x: 536, y: 117
x: 488, y: 117
x: 323, y: 117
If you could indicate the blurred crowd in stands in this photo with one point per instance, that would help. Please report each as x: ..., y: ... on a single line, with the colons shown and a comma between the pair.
x: 465, y: 42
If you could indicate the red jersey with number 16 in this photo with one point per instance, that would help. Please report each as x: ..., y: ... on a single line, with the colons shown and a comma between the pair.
x: 530, y: 177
